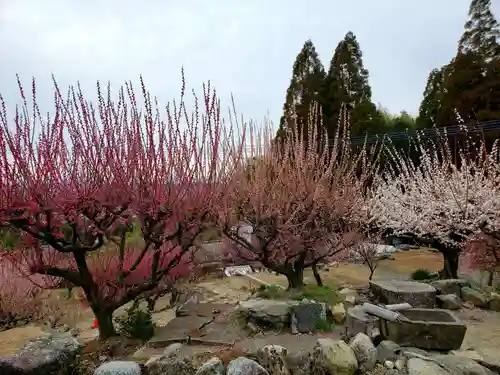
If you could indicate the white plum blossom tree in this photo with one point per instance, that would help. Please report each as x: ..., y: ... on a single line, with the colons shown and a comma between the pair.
x: 441, y: 202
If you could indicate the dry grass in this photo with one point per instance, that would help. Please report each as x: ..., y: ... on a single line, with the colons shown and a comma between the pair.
x: 15, y: 338
x: 70, y: 311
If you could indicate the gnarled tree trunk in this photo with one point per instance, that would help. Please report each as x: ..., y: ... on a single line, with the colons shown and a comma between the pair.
x: 295, y: 279
x: 316, y: 274
x: 450, y: 267
x: 105, y: 323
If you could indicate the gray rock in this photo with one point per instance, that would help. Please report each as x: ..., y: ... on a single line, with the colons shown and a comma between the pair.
x: 412, y: 352
x: 396, y: 291
x: 494, y: 303
x: 213, y: 366
x: 273, y: 359
x: 245, y: 366
x: 357, y: 320
x: 45, y: 355
x: 333, y: 357
x: 118, y: 368
x: 172, y: 350
x: 307, y: 315
x: 299, y: 363
x: 270, y: 312
x: 388, y: 351
x: 349, y: 296
x: 449, y: 301
x: 365, y: 351
x: 171, y: 366
x: 475, y: 297
x: 417, y: 366
x: 450, y: 286
x: 457, y: 365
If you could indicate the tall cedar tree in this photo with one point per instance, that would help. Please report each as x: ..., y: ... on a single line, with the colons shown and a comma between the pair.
x: 470, y: 83
x: 481, y: 32
x: 431, y: 104
x: 306, y: 87
x: 347, y: 84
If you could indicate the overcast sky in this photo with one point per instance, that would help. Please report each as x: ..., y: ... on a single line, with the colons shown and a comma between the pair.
x: 244, y: 47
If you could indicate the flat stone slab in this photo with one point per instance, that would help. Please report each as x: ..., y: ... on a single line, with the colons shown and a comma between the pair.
x: 203, y: 323
x: 429, y: 329
x: 395, y: 291
x: 205, y: 309
x: 177, y: 330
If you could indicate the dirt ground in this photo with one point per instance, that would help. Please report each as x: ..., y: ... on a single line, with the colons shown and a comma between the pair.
x: 483, y: 332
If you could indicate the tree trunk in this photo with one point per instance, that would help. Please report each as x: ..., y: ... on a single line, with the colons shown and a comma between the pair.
x: 295, y: 279
x: 450, y: 268
x: 490, y: 278
x: 105, y: 323
x: 316, y: 274
x: 372, y: 271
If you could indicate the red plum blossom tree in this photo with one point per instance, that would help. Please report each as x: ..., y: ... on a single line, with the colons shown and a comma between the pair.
x: 76, y: 181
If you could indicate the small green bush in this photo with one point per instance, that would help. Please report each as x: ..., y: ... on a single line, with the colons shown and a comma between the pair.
x: 271, y: 291
x: 422, y: 274
x: 9, y: 239
x: 137, y: 323
x: 318, y: 293
x: 323, y: 325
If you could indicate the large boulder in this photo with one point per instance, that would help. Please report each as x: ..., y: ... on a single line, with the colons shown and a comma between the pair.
x: 395, y: 291
x: 417, y: 366
x: 475, y: 297
x: 458, y: 365
x: 245, y: 366
x: 273, y: 359
x: 450, y: 286
x: 338, y: 313
x: 213, y: 366
x: 494, y: 303
x: 365, y: 352
x: 449, y: 301
x: 357, y: 320
x: 45, y: 355
x: 306, y: 316
x: 299, y: 363
x: 333, y: 357
x: 273, y: 313
x: 119, y: 368
x: 388, y: 350
x: 171, y: 366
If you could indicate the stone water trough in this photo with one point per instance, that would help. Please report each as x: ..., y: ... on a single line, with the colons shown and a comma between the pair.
x: 430, y: 329
x: 407, y: 317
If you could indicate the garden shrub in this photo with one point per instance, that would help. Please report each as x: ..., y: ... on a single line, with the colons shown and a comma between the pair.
x: 317, y: 293
x: 422, y: 274
x: 137, y: 323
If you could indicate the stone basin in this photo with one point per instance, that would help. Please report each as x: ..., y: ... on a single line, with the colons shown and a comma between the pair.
x: 430, y: 329
x: 396, y: 291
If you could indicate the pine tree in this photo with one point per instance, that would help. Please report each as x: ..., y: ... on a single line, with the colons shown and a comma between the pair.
x: 306, y: 87
x: 347, y: 83
x: 482, y: 31
x: 433, y: 93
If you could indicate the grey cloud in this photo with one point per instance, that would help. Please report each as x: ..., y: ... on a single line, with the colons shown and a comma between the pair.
x: 246, y: 48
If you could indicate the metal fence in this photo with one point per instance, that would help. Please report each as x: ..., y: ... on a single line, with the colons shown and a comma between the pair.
x: 450, y: 131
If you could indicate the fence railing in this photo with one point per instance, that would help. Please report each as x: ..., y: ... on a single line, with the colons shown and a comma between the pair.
x: 453, y: 130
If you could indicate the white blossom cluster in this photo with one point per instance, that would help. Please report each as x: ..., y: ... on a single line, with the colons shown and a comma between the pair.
x: 437, y: 199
